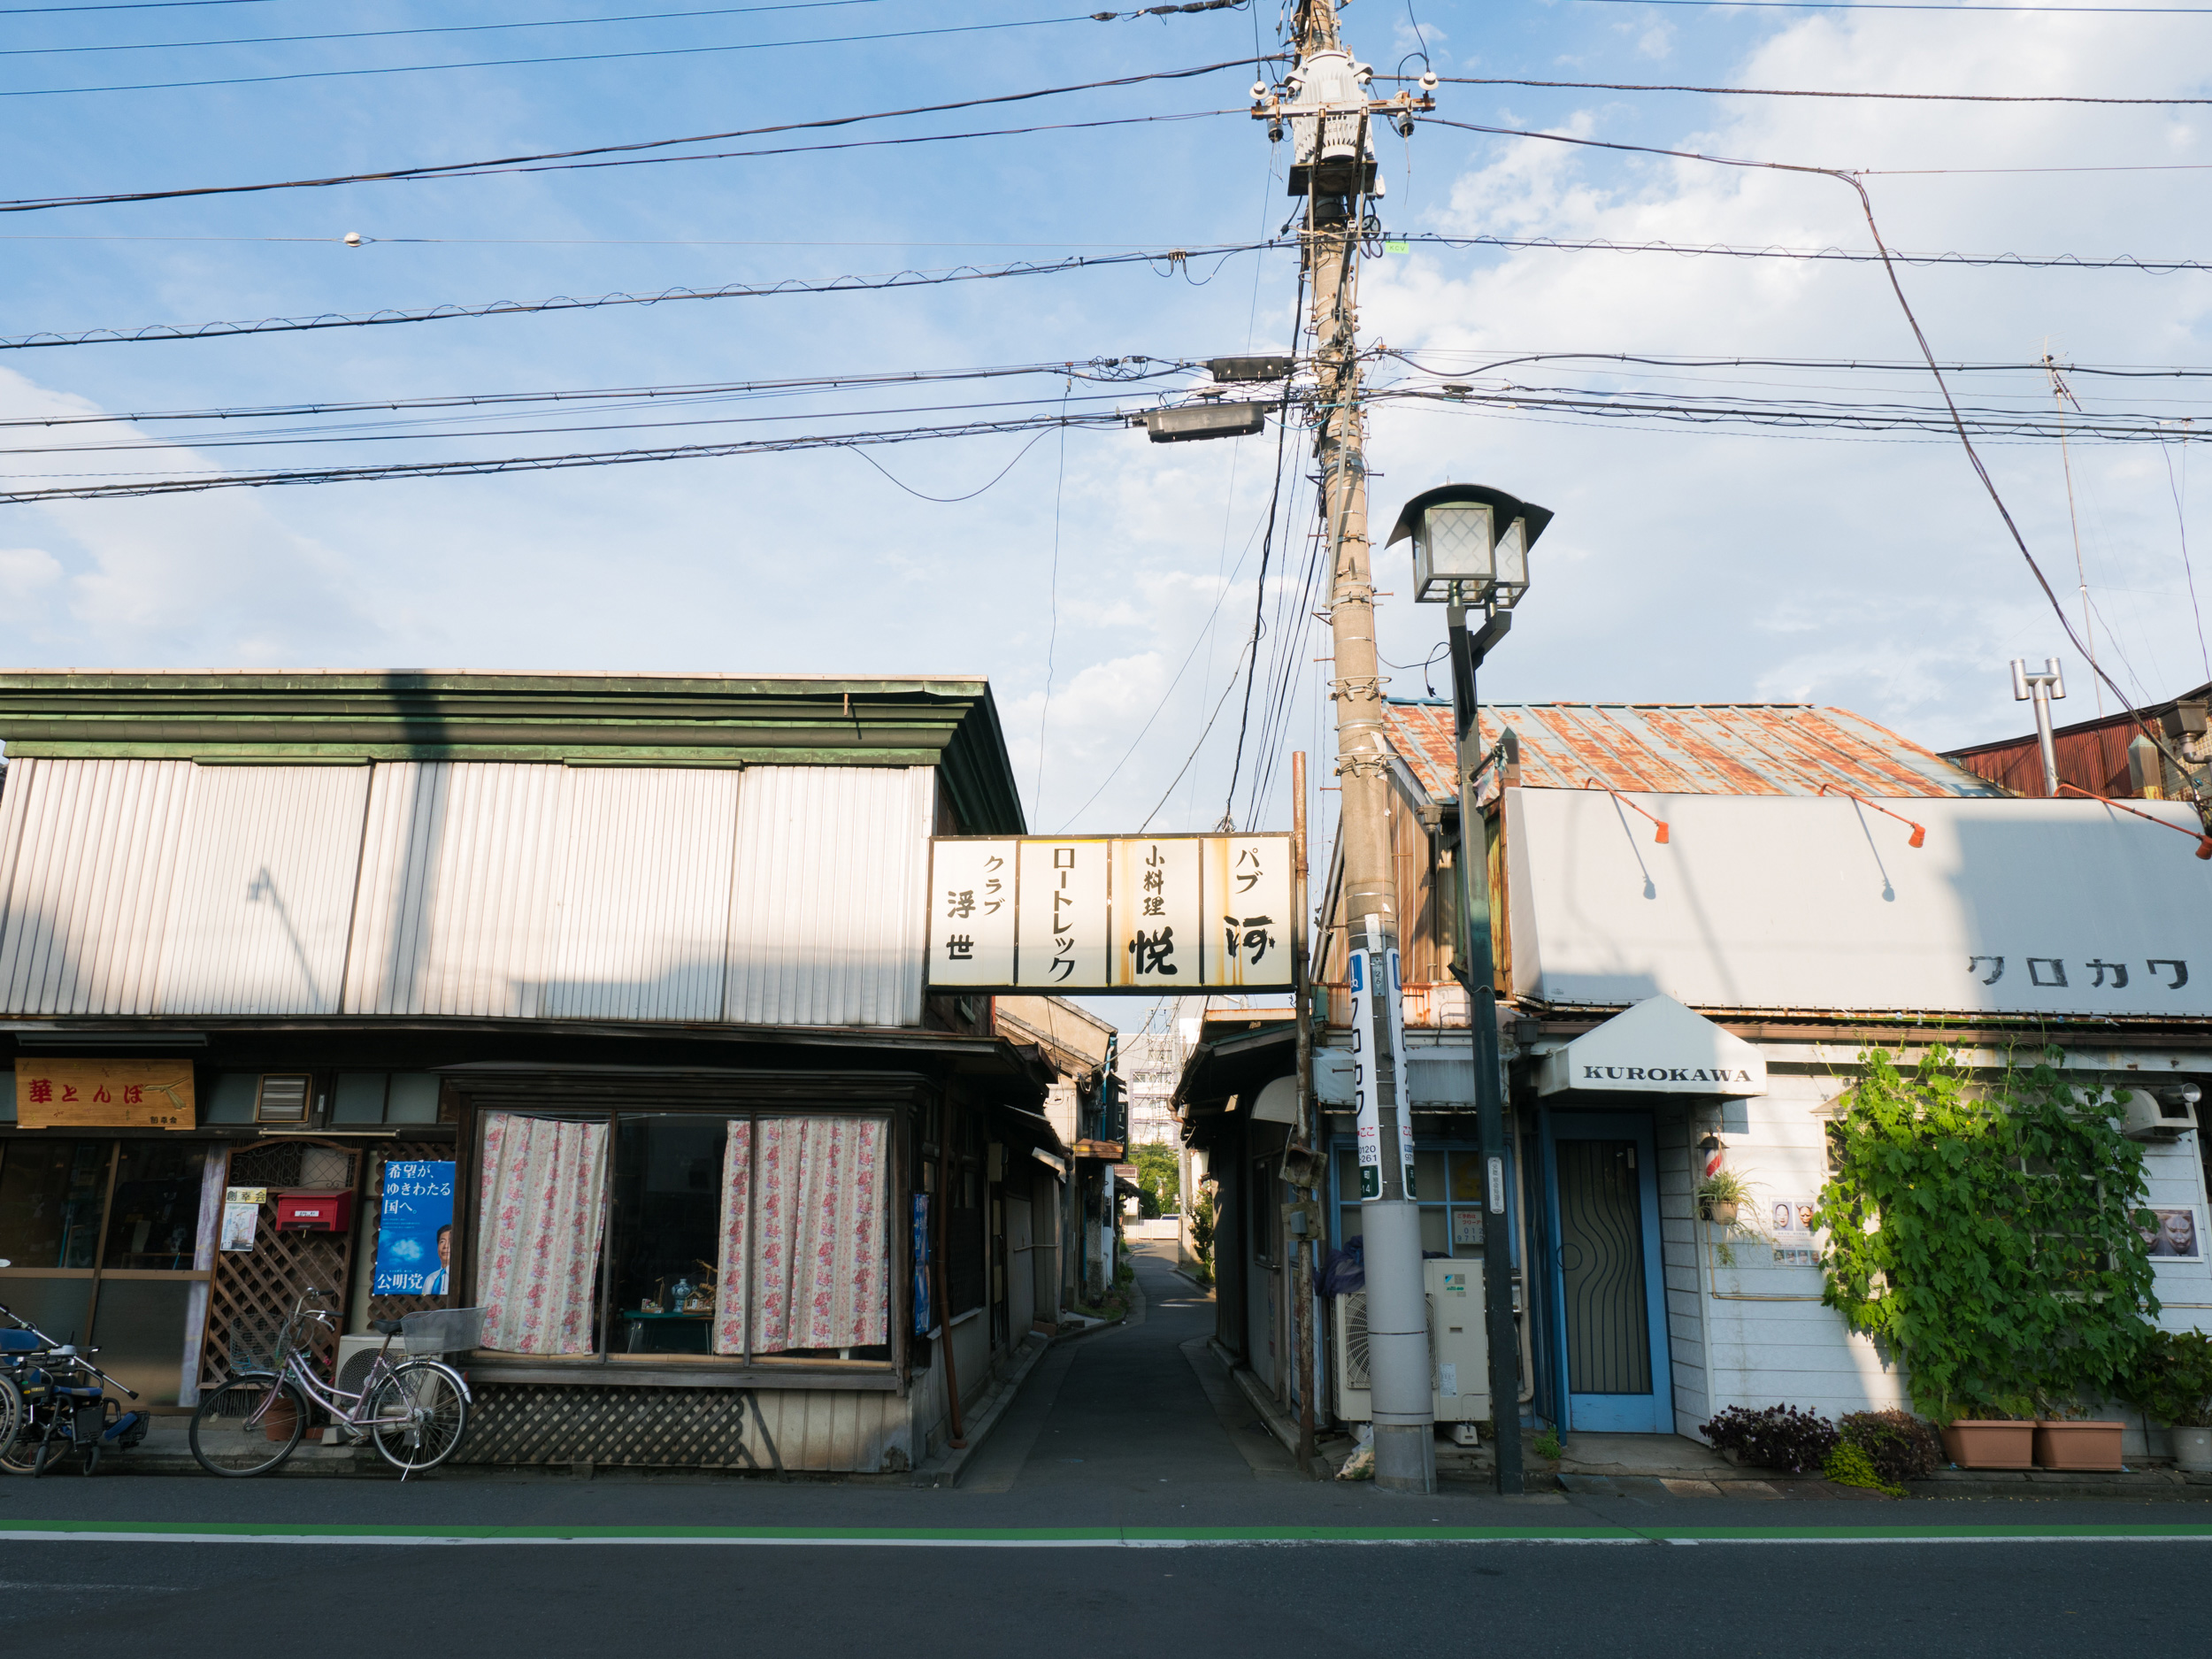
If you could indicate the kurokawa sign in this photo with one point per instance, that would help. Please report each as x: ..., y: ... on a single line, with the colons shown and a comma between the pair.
x: 1657, y: 1047
x: 1104, y: 913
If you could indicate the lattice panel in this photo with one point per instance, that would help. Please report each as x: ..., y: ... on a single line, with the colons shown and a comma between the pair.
x: 252, y: 1291
x: 373, y: 1205
x: 632, y: 1427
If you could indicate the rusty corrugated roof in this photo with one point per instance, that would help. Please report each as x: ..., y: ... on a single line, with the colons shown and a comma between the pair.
x: 1686, y: 749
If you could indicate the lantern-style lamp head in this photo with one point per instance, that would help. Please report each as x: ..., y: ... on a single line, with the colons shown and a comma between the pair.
x: 1469, y: 545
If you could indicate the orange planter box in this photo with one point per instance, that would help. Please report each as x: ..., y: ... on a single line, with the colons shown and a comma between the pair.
x: 1991, y: 1443
x: 2060, y: 1445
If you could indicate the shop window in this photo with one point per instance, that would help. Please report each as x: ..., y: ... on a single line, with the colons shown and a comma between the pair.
x: 755, y: 1237
x: 385, y: 1097
x: 53, y: 1196
x: 666, y: 1224
x: 155, y: 1214
x: 1449, y: 1185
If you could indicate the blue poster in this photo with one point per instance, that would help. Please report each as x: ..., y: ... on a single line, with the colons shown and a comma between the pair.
x: 414, y: 1231
x: 922, y: 1321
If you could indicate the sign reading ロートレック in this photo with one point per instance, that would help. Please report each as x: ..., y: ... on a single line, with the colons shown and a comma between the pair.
x: 105, y: 1095
x: 1146, y: 913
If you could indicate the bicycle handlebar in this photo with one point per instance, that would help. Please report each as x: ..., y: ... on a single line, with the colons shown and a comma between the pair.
x: 67, y: 1351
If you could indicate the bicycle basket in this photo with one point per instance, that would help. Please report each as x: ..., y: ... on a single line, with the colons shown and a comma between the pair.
x: 255, y: 1345
x: 442, y: 1330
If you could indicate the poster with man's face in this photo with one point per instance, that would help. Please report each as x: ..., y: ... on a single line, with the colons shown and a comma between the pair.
x: 414, y: 1231
x: 2172, y: 1233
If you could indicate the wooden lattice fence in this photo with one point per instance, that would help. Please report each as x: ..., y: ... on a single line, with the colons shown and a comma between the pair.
x: 253, y: 1292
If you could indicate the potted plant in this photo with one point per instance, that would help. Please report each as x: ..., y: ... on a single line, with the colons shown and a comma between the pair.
x: 1721, y: 1196
x: 2172, y: 1381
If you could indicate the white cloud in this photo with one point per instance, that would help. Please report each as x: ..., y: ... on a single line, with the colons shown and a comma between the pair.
x: 1709, y: 562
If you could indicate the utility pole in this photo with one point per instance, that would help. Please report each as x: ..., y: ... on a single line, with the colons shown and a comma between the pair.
x: 1330, y: 117
x: 2044, y: 688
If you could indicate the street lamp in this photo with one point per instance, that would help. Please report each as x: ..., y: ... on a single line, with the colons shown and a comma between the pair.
x: 1471, y: 551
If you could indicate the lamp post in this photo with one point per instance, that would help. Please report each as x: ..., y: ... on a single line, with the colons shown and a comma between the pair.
x: 1471, y: 551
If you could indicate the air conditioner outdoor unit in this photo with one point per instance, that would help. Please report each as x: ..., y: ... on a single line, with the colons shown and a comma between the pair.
x: 2159, y: 1114
x: 355, y: 1354
x: 1459, y: 1347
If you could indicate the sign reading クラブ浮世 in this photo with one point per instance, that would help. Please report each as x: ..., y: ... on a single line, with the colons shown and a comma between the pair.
x: 414, y: 1230
x: 105, y: 1095
x: 1145, y: 913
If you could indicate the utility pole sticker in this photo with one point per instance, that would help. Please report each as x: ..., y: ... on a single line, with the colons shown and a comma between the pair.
x: 1376, y: 1050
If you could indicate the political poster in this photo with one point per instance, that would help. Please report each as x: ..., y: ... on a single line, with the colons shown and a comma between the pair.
x: 414, y: 1230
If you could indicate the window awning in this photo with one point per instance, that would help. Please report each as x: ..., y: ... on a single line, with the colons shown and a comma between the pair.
x: 1656, y: 1047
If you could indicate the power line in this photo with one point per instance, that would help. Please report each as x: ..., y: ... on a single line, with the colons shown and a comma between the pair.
x: 1675, y: 360
x: 1122, y: 370
x: 125, y: 5
x: 1172, y: 260
x: 2026, y: 262
x: 565, y: 57
x: 448, y: 28
x: 193, y: 484
x: 463, y: 169
x: 1776, y: 92
x: 1902, y: 5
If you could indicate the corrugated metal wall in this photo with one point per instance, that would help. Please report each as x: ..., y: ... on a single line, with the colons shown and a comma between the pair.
x: 90, y: 848
x: 644, y: 894
x: 458, y: 871
x: 780, y: 895
x: 263, y: 890
x: 827, y: 911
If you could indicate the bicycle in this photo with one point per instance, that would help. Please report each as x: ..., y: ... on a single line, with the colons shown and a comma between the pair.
x: 415, y: 1412
x: 53, y: 1403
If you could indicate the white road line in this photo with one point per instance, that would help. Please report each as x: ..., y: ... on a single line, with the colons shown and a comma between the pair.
x: 387, y: 1540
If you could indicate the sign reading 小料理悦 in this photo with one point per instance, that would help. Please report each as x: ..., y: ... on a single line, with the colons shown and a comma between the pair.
x: 1146, y: 913
x: 61, y: 1093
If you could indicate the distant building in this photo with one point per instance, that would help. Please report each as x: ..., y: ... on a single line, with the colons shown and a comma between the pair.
x: 1150, y: 1065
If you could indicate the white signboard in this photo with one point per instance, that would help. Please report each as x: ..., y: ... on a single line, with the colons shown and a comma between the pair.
x: 1137, y: 914
x: 1793, y: 902
x: 1366, y: 1076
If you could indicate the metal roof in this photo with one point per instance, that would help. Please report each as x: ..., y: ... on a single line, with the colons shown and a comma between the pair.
x: 1685, y: 749
x: 712, y: 720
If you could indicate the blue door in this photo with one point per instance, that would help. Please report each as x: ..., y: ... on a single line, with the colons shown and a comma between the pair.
x: 1608, y: 1294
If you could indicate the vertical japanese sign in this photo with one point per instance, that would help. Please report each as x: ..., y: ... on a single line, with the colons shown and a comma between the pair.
x: 1061, y: 934
x: 414, y: 1231
x: 1096, y: 913
x: 1383, y: 1043
x: 1159, y: 927
x: 1248, y: 907
x: 971, y: 912
x: 105, y: 1094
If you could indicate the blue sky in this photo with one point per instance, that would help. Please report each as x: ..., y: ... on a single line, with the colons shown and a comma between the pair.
x: 1686, y: 564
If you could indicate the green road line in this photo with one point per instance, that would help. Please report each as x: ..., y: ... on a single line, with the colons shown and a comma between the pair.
x: 1073, y: 1537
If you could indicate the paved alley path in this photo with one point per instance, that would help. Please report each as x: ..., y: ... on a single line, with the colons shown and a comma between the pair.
x: 1141, y: 1406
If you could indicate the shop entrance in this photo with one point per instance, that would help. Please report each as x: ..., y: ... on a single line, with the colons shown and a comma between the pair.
x: 1608, y: 1303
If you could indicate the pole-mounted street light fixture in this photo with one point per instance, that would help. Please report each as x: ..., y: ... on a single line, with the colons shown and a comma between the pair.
x: 1470, y: 552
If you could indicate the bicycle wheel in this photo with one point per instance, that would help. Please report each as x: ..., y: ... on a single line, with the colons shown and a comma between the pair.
x: 241, y: 1430
x: 418, y: 1416
x: 10, y: 1414
x: 22, y: 1458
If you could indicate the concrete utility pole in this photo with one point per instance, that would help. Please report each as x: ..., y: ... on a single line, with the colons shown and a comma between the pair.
x: 1330, y: 117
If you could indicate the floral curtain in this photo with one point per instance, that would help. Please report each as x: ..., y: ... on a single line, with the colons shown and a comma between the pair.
x: 809, y: 1272
x: 543, y: 1216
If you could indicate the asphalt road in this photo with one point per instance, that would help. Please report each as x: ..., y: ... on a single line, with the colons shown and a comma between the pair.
x: 1127, y: 1500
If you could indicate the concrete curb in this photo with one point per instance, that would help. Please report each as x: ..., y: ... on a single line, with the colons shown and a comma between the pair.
x: 944, y: 1469
x: 1278, y: 1422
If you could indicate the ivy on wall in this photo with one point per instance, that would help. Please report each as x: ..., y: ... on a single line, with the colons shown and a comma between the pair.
x: 1989, y: 1233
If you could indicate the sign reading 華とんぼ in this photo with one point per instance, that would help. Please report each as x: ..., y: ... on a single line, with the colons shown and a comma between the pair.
x: 1110, y: 913
x: 105, y: 1095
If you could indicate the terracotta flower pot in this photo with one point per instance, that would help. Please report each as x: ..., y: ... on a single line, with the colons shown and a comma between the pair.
x: 2060, y: 1445
x: 1990, y: 1443
x: 2193, y: 1449
x: 277, y: 1423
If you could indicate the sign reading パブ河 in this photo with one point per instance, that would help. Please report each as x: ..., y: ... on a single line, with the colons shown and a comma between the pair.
x: 1145, y: 913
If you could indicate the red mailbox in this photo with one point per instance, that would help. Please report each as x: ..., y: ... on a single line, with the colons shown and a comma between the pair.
x: 315, y: 1212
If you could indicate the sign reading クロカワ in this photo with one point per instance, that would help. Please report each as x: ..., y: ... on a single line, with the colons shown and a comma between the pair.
x: 1142, y: 913
x: 105, y: 1095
